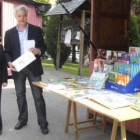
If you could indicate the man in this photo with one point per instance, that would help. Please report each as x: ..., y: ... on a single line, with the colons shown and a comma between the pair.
x: 3, y: 78
x: 14, y: 40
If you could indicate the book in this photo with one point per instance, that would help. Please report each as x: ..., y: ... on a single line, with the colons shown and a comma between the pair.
x: 126, y: 56
x: 111, y: 56
x: 122, y: 79
x: 135, y: 51
x: 119, y: 67
x: 135, y: 60
x: 123, y: 61
x: 98, y: 65
x: 120, y: 54
x: 97, y: 80
x: 112, y: 77
x: 127, y: 69
x: 108, y: 68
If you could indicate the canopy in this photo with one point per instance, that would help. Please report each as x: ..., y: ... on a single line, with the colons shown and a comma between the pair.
x: 71, y: 7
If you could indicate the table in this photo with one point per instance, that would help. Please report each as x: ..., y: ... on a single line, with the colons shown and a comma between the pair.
x: 119, y: 115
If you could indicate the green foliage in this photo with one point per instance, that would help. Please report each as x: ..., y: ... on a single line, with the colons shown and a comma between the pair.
x: 134, y: 39
x: 42, y: 1
x: 135, y: 7
x: 51, y: 38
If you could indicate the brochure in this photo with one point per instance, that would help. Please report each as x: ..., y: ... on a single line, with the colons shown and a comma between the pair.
x: 28, y: 44
x: 23, y: 60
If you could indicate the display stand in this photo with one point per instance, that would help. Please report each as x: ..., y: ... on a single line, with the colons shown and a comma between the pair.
x: 132, y: 87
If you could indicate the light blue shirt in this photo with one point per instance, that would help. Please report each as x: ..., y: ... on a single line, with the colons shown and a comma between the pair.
x: 23, y: 35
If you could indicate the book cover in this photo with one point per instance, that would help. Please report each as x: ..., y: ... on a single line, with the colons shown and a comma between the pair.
x: 123, y: 61
x: 108, y: 68
x: 98, y: 65
x: 97, y: 80
x: 127, y: 69
x: 135, y: 51
x: 119, y: 67
x: 120, y: 54
x: 135, y: 60
x: 112, y: 77
x: 126, y: 56
x: 122, y: 79
x: 111, y: 56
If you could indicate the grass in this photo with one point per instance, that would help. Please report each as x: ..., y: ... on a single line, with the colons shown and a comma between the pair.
x: 68, y: 67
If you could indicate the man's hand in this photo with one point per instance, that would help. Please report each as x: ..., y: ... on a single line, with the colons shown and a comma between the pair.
x: 4, y: 84
x: 11, y: 66
x: 35, y: 51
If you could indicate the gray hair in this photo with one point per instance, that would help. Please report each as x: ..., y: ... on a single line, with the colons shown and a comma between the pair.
x: 21, y: 7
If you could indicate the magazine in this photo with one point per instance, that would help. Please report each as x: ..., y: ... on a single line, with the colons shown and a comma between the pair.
x: 111, y: 100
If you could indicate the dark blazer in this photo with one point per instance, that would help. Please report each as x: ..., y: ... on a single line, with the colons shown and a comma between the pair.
x: 3, y: 66
x: 12, y: 47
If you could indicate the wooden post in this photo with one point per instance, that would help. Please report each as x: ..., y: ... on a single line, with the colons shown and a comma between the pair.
x: 58, y: 45
x: 81, y: 43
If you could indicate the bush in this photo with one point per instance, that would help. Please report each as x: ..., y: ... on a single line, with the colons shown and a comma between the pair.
x: 134, y: 38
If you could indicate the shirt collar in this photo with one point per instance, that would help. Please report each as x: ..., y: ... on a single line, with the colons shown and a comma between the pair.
x: 19, y: 30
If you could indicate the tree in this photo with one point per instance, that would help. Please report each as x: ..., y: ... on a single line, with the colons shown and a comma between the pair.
x: 135, y: 7
x: 134, y: 38
x: 52, y: 23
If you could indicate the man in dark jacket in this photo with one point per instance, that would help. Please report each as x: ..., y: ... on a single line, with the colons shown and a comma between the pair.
x: 3, y: 78
x: 14, y: 48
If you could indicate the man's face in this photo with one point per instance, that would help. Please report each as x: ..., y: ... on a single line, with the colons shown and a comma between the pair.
x: 21, y: 17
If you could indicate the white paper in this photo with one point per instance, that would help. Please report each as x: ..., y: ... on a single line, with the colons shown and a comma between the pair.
x: 23, y: 60
x: 55, y: 87
x: 28, y: 44
x: 78, y: 36
x: 67, y: 40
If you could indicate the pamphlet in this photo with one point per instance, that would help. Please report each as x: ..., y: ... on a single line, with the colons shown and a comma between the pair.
x: 67, y: 40
x: 23, y: 60
x: 28, y: 44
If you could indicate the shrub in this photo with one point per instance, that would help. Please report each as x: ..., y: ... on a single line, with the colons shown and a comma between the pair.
x: 134, y: 38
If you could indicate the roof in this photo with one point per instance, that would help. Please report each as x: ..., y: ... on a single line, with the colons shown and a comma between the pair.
x: 33, y: 2
x: 71, y: 7
x: 40, y: 7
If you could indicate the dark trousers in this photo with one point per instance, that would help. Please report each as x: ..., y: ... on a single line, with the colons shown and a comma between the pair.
x: 0, y: 110
x: 20, y: 86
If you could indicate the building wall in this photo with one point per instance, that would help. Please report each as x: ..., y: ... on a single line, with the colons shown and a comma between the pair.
x: 8, y: 17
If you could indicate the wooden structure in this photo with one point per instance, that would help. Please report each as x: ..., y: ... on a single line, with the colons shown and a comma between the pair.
x: 109, y: 25
x: 109, y: 30
x: 118, y: 115
x: 7, y: 18
x: 79, y: 10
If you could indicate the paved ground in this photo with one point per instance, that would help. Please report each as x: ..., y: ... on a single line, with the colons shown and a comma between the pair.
x: 56, y: 112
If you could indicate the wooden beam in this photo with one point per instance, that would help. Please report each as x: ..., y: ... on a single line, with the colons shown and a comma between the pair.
x: 81, y: 43
x: 58, y: 46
